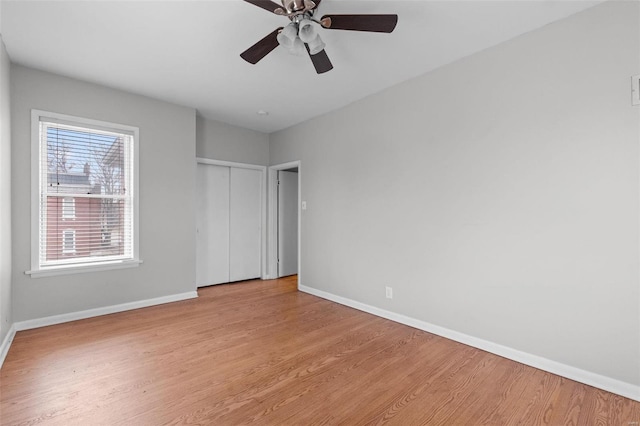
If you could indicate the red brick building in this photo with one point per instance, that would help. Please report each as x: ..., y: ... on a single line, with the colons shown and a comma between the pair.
x: 73, y: 222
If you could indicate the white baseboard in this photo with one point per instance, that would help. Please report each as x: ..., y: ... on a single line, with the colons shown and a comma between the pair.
x: 90, y: 313
x: 6, y: 343
x: 592, y: 379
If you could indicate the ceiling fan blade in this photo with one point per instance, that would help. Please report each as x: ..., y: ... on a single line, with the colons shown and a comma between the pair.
x: 373, y: 23
x: 320, y: 61
x: 267, y: 5
x: 262, y: 48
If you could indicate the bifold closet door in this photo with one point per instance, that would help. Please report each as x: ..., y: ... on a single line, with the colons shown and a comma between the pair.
x: 212, y: 225
x: 245, y: 232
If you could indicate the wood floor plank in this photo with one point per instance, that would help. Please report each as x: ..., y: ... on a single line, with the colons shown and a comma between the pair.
x: 260, y: 352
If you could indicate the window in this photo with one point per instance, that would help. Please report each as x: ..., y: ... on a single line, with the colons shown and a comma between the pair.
x: 68, y: 208
x: 69, y: 241
x: 84, y: 194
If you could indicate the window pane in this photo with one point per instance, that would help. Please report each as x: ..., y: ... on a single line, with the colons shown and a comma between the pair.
x: 84, y: 162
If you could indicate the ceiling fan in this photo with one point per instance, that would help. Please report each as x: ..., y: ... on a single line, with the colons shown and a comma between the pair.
x: 301, y: 33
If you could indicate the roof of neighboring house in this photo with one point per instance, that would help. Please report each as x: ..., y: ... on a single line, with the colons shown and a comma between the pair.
x: 69, y: 179
x: 73, y: 183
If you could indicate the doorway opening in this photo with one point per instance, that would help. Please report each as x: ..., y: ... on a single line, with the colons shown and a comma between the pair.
x: 284, y: 220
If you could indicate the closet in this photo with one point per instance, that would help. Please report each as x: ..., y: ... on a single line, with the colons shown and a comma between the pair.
x: 228, y: 224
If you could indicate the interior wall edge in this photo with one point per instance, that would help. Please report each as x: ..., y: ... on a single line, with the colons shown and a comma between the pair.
x: 89, y: 313
x: 6, y: 234
x: 6, y: 343
x: 596, y: 380
x: 106, y: 310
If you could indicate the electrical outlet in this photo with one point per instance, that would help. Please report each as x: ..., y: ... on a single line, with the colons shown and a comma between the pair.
x: 635, y: 90
x: 389, y: 292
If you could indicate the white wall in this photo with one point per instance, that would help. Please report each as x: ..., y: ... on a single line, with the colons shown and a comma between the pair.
x: 498, y: 196
x: 167, y: 191
x: 5, y: 194
x: 221, y: 141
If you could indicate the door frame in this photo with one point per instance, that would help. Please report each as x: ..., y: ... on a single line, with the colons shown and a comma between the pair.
x: 272, y: 226
x: 263, y: 203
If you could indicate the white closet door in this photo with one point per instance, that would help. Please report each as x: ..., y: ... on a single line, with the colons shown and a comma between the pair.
x: 245, y: 224
x: 212, y: 225
x: 287, y: 223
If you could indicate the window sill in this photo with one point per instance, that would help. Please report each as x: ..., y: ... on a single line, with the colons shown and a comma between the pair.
x: 80, y: 269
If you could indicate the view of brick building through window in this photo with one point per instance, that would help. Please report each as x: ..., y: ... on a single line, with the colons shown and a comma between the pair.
x: 85, y: 176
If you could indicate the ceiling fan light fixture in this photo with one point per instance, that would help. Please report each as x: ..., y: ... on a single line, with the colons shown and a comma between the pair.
x: 297, y: 49
x: 288, y: 36
x: 307, y: 31
x: 316, y: 45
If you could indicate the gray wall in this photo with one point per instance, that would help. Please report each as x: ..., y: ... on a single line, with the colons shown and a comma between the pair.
x: 498, y: 195
x: 167, y: 203
x: 5, y: 195
x: 221, y: 141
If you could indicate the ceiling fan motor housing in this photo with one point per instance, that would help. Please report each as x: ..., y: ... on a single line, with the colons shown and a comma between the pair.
x: 294, y: 8
x: 299, y: 6
x: 293, y: 5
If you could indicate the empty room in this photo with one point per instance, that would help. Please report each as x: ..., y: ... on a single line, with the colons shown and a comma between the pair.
x: 306, y: 212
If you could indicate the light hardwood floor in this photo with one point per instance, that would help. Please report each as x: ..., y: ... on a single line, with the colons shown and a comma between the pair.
x: 261, y: 352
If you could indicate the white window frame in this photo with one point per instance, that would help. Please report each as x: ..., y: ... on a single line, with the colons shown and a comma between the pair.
x: 100, y: 265
x: 68, y: 208
x: 65, y: 249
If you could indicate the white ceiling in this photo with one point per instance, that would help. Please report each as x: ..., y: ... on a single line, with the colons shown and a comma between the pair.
x: 187, y: 52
